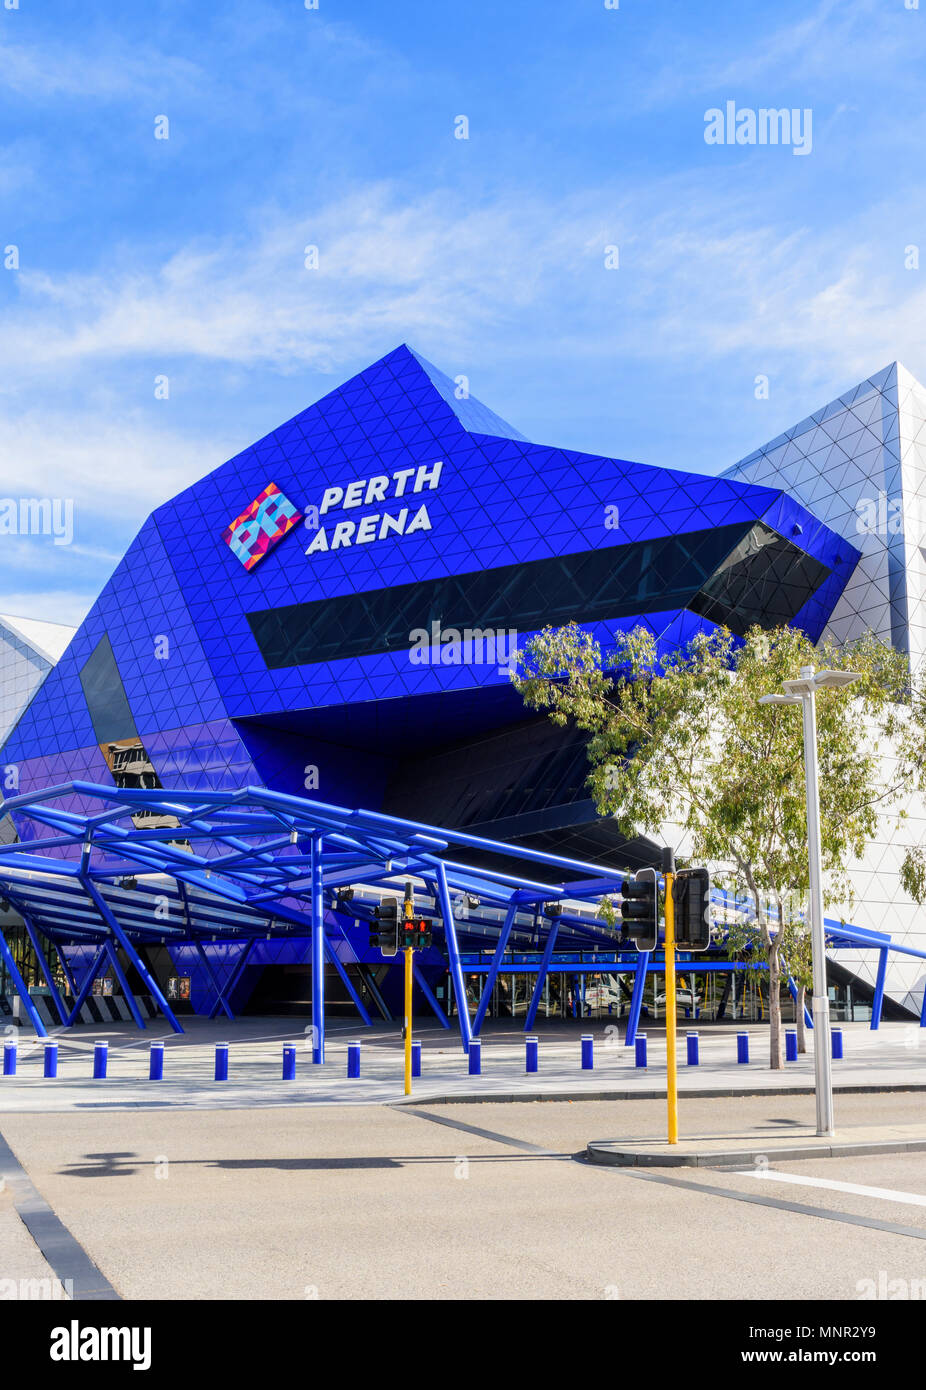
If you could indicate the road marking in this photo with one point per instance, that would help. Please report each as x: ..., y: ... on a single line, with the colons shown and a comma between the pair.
x: 535, y: 1149
x: 64, y: 1253
x: 822, y: 1213
x: 883, y: 1194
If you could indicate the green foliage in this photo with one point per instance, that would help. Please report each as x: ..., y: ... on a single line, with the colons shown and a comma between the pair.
x: 683, y: 739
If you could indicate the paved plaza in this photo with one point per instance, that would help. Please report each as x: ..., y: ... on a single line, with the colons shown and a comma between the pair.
x: 893, y: 1056
x: 125, y: 1189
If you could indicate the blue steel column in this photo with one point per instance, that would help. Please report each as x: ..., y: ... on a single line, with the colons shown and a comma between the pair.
x: 86, y: 987
x: 318, y: 952
x: 46, y: 968
x: 68, y: 975
x: 636, y: 999
x: 453, y: 951
x: 120, y: 976
x: 21, y: 989
x: 333, y: 957
x: 110, y: 920
x: 879, y: 990
x: 542, y: 969
x: 234, y: 976
x: 213, y: 978
x: 428, y: 993
x: 494, y: 967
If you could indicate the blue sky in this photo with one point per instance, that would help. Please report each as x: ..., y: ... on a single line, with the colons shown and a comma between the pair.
x: 335, y: 127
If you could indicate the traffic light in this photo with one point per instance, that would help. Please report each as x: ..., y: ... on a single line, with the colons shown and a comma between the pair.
x: 691, y: 896
x: 416, y: 934
x: 384, y: 929
x: 640, y: 909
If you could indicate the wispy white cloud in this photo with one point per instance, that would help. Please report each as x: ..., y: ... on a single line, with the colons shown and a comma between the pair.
x: 109, y: 72
x: 425, y: 269
x: 55, y: 605
x: 117, y: 462
x: 837, y: 42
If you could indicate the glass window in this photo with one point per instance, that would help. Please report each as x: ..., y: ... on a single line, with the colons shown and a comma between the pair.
x: 737, y: 574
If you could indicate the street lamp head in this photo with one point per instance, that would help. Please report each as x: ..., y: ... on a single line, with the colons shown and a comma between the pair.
x: 834, y: 680
x: 779, y: 700
x: 805, y: 685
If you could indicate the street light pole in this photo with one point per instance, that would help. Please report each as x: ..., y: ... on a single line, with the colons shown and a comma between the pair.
x: 804, y: 691
x: 823, y: 1072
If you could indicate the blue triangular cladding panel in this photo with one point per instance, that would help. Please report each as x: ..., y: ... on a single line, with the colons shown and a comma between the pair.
x: 139, y: 608
x: 202, y: 757
x: 499, y: 501
x: 315, y: 768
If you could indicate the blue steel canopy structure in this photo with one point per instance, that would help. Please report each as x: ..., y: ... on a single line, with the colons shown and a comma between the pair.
x: 140, y: 866
x: 256, y: 863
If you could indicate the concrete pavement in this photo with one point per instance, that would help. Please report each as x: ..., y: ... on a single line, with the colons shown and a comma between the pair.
x: 893, y: 1057
x: 460, y: 1201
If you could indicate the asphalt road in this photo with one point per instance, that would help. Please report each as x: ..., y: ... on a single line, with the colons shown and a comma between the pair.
x: 468, y: 1201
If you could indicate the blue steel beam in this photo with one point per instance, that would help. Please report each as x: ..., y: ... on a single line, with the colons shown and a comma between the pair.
x: 120, y: 976
x: 21, y: 989
x: 541, y: 975
x: 236, y: 972
x: 428, y: 993
x: 113, y: 924
x: 45, y: 968
x: 333, y: 957
x: 87, y: 985
x: 453, y: 952
x: 878, y: 1001
x: 207, y: 965
x: 318, y: 952
x: 494, y: 967
x: 636, y: 998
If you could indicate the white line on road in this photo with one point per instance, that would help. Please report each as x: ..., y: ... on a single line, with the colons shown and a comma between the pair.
x: 884, y: 1194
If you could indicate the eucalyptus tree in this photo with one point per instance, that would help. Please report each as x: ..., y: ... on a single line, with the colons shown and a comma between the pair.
x: 679, y: 738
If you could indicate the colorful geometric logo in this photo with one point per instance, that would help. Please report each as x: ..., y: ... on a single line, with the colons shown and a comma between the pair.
x: 266, y: 521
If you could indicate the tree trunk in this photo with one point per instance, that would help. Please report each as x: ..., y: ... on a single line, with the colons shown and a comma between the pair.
x: 774, y: 1008
x: 801, y: 1029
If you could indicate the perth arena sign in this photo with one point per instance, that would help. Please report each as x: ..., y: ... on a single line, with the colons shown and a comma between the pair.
x: 271, y: 515
x: 398, y: 516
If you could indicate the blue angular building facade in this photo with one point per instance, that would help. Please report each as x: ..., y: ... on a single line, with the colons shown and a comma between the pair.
x: 313, y: 615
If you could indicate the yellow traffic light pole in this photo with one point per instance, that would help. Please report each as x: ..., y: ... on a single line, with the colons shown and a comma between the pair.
x: 409, y: 952
x: 671, y: 1061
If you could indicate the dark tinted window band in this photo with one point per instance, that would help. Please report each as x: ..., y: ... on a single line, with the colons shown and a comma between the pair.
x: 738, y: 574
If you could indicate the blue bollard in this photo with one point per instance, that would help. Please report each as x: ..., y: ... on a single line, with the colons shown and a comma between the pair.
x: 100, y: 1059
x: 353, y: 1059
x: 694, y: 1055
x: 837, y: 1043
x: 588, y: 1052
x: 51, y: 1059
x: 221, y: 1061
x: 791, y: 1045
x: 742, y: 1047
x: 475, y: 1057
x: 289, y: 1062
x: 9, y: 1059
x: 156, y: 1062
x: 416, y: 1059
x: 640, y: 1050
x: 531, y: 1053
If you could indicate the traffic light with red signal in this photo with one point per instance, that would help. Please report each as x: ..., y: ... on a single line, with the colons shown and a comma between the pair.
x: 416, y: 934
